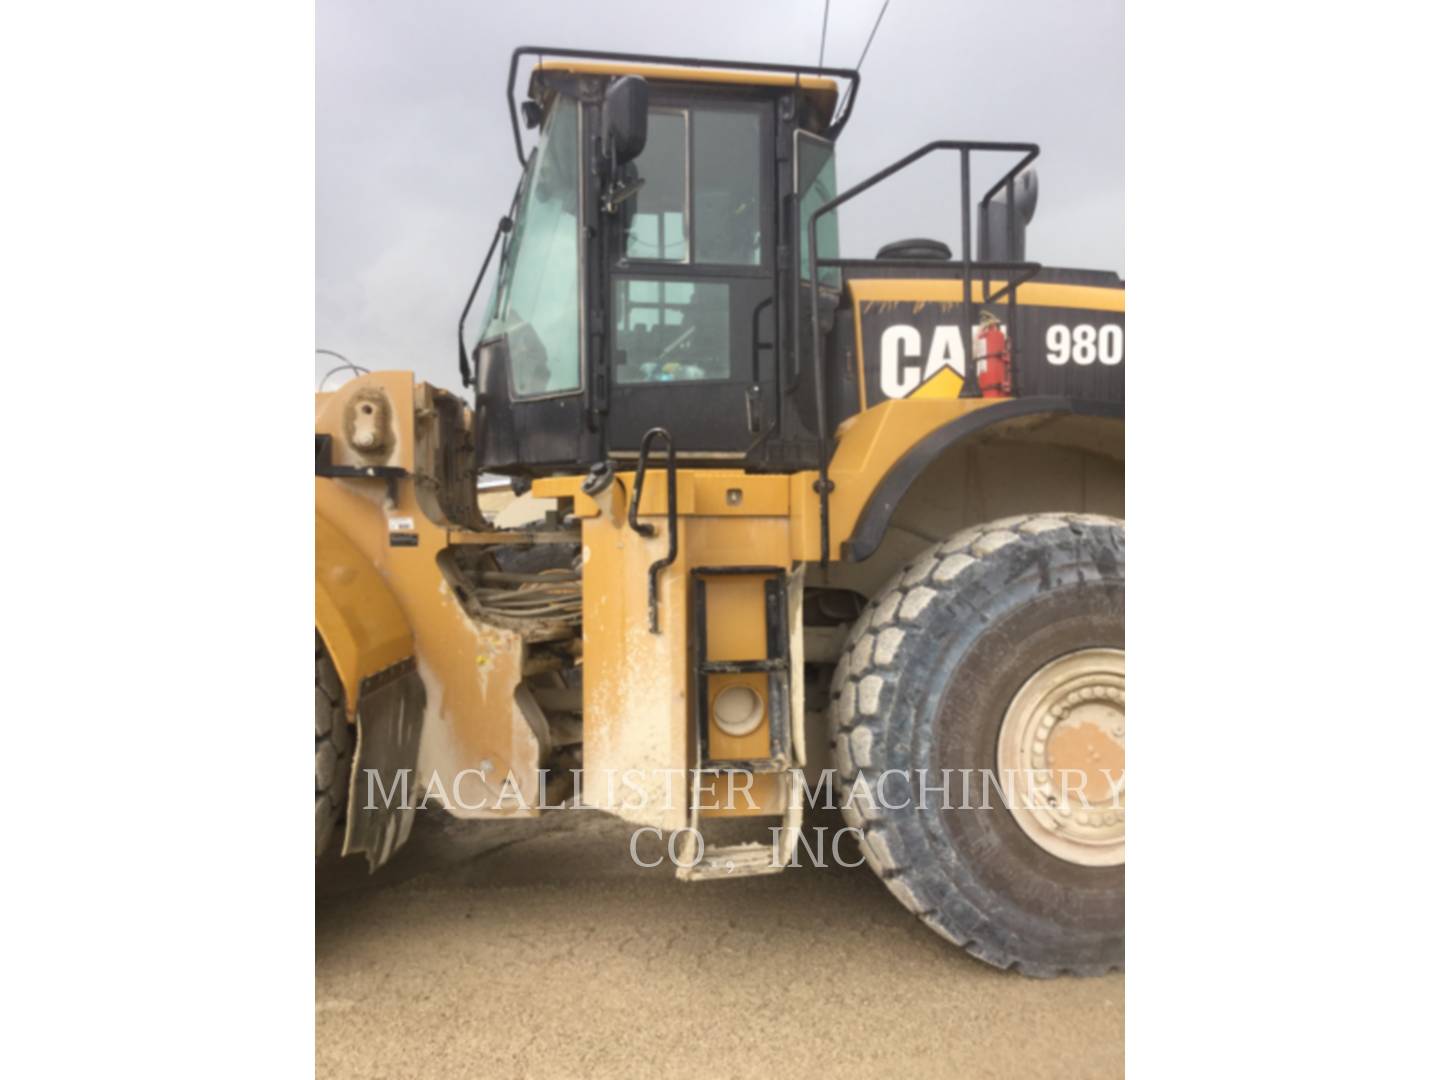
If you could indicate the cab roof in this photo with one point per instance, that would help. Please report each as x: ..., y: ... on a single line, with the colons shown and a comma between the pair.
x: 821, y: 91
x: 819, y: 86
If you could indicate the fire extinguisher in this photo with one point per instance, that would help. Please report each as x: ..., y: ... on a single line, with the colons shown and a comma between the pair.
x: 992, y: 357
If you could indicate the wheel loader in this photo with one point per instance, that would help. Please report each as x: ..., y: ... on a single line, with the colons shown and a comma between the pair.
x: 810, y: 531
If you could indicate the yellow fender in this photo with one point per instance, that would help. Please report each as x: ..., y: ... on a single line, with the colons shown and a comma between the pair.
x: 356, y: 614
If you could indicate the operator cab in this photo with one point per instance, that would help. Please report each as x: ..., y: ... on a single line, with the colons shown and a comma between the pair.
x: 647, y: 276
x: 656, y: 271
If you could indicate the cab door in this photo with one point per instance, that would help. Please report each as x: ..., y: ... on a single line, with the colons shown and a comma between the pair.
x: 692, y: 279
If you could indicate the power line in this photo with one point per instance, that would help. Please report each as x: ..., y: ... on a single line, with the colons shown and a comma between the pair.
x: 840, y: 109
x: 872, y: 33
x: 348, y: 364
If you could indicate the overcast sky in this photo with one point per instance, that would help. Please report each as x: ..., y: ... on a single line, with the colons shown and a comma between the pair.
x: 415, y: 161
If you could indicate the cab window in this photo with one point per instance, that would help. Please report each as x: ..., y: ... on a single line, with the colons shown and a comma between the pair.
x: 672, y: 330
x: 700, y: 201
x: 727, y: 187
x: 815, y: 181
x: 660, y: 225
x: 700, y: 205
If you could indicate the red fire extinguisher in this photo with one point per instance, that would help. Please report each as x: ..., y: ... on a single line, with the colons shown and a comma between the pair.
x: 992, y: 357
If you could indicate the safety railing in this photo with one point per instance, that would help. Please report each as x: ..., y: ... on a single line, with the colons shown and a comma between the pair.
x: 1016, y: 273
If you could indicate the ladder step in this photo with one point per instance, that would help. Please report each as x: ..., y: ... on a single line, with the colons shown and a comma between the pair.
x: 743, y: 860
x: 759, y: 766
x: 774, y: 665
x: 741, y: 667
x: 739, y: 571
x: 738, y: 860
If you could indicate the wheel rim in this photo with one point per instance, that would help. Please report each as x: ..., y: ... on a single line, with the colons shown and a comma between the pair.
x: 1062, y: 757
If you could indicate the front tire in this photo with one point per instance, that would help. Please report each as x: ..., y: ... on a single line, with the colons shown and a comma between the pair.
x: 999, y: 649
x: 333, y: 749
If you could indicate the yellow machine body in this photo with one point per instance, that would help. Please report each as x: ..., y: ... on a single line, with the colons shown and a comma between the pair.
x: 406, y: 565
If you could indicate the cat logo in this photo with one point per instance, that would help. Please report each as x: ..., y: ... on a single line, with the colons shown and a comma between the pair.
x: 903, y: 373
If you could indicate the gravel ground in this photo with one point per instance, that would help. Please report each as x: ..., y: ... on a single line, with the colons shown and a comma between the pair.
x: 540, y: 949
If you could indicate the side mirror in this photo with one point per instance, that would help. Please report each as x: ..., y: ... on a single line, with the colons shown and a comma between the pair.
x: 996, y: 243
x: 625, y: 118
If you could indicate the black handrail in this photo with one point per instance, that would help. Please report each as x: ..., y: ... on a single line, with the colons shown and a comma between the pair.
x: 837, y: 125
x: 500, y: 229
x: 506, y: 223
x: 671, y: 515
x: 966, y: 264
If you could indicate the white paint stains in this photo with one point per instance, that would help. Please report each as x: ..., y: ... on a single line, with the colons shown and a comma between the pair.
x: 636, y: 705
x: 795, y: 594
x: 484, y: 654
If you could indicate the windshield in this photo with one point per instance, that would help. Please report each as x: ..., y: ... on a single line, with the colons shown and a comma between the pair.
x: 536, y: 302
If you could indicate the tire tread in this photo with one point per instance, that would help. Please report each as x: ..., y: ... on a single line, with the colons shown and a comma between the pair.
x: 333, y: 746
x: 941, y: 568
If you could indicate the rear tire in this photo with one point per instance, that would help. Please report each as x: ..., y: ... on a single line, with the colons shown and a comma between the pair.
x: 934, y: 669
x: 334, y: 746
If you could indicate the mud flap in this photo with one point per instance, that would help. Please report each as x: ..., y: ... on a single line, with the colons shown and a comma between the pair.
x: 384, y: 789
x: 743, y: 860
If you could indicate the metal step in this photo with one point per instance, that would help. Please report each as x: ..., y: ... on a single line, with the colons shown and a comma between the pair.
x: 742, y: 860
x: 739, y: 667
